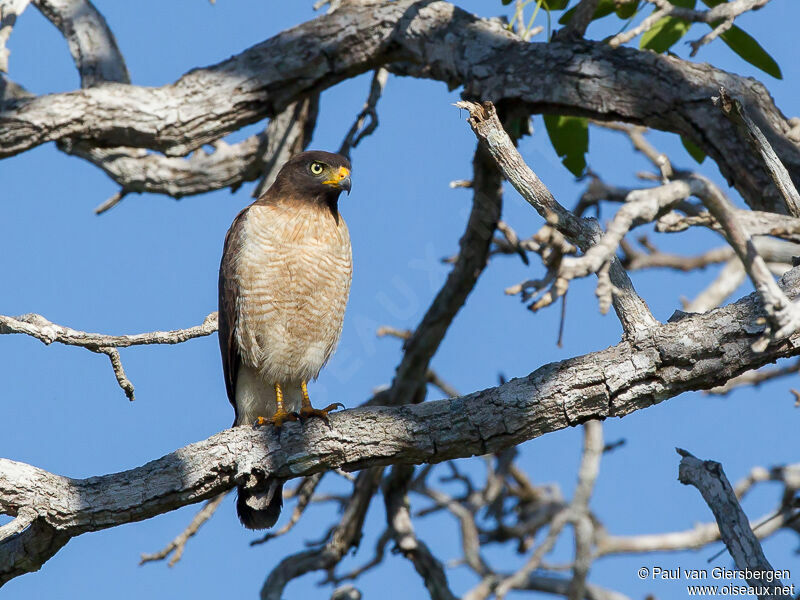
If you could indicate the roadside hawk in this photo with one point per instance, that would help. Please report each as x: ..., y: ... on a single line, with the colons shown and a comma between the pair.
x: 284, y: 280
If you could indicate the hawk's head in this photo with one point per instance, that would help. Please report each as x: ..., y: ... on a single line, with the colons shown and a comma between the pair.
x: 315, y: 175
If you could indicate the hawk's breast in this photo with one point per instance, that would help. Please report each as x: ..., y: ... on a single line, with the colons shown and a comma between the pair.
x: 293, y: 269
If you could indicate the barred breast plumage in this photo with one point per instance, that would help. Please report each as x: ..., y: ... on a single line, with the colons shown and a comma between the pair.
x: 293, y: 271
x: 284, y: 280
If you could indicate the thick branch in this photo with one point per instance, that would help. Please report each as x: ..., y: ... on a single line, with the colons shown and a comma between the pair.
x: 259, y: 156
x: 696, y: 352
x: 455, y: 47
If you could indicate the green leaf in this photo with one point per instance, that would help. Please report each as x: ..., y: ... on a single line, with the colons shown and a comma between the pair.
x: 604, y: 8
x: 693, y: 150
x: 506, y: 2
x: 625, y: 10
x: 570, y: 139
x: 749, y: 49
x: 554, y: 4
x: 684, y: 3
x: 661, y: 36
x: 713, y: 3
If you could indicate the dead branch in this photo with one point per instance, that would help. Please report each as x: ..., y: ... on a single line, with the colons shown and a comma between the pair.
x: 736, y: 111
x: 710, y: 481
x: 358, y: 131
x: 755, y: 378
x: 361, y: 37
x: 48, y: 332
x: 631, y: 309
x: 782, y: 313
x: 398, y: 517
x: 10, y: 10
x: 653, y: 258
x: 344, y: 536
x: 91, y: 43
x: 178, y: 545
x: 727, y: 281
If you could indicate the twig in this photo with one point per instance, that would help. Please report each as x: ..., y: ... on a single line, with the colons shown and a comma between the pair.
x: 641, y: 206
x: 377, y: 558
x: 636, y: 134
x: 635, y: 260
x: 119, y: 372
x: 715, y: 32
x: 720, y: 12
x: 358, y: 131
x: 48, y: 332
x: 729, y: 279
x: 178, y: 545
x: 305, y: 494
x: 755, y: 378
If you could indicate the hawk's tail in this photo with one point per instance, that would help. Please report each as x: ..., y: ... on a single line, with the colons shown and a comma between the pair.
x: 259, y: 508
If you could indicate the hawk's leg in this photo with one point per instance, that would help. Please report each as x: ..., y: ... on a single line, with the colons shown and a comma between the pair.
x: 280, y: 416
x: 308, y: 411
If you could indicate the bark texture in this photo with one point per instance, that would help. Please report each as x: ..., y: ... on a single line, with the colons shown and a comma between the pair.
x: 432, y: 39
x: 696, y: 352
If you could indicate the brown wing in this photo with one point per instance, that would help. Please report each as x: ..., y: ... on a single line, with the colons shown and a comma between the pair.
x: 228, y: 299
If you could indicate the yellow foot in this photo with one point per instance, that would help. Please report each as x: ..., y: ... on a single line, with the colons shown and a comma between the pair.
x: 306, y: 412
x: 277, y: 420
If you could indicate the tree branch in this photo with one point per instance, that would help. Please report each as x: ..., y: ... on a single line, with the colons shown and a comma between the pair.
x: 631, y: 309
x: 736, y: 112
x: 710, y: 481
x: 612, y: 382
x: 9, y: 11
x: 48, y: 332
x: 178, y: 545
x: 90, y: 40
x: 455, y: 47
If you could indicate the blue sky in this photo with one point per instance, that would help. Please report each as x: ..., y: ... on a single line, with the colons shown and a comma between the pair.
x: 151, y: 263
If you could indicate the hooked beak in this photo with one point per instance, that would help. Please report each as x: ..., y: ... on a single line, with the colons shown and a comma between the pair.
x: 341, y: 180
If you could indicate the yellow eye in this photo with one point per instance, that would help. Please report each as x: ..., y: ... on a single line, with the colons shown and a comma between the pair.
x: 316, y: 168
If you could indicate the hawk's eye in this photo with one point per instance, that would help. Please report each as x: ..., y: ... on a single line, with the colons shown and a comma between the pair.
x: 316, y: 168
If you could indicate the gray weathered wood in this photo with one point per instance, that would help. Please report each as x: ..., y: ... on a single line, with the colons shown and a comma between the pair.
x: 456, y: 48
x: 696, y: 352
